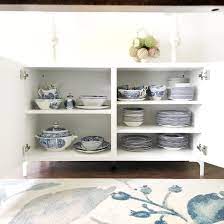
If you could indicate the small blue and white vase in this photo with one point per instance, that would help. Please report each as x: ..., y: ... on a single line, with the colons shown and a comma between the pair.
x: 69, y: 102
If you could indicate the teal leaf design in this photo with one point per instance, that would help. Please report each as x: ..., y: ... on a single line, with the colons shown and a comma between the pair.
x: 145, y: 189
x: 175, y: 189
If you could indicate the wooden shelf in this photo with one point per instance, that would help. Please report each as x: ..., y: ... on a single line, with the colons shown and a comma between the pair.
x: 160, y: 102
x: 155, y: 154
x: 157, y: 129
x: 67, y: 155
x: 64, y: 111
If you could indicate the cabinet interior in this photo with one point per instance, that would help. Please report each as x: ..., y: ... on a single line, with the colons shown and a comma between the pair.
x: 104, y: 81
x: 68, y: 80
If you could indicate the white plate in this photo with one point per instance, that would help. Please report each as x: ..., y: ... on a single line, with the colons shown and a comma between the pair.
x: 92, y: 107
x: 124, y: 99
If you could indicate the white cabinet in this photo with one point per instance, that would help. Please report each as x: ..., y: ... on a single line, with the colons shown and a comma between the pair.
x: 20, y: 121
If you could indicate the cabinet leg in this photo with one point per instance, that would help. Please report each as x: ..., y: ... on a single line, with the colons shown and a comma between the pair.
x: 25, y: 165
x: 202, y: 168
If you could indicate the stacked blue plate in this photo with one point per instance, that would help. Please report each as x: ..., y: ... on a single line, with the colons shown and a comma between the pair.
x: 136, y: 143
x: 173, y: 141
x: 173, y: 118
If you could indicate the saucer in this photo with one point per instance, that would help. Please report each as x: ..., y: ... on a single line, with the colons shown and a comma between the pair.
x: 92, y: 107
x: 78, y: 147
x: 128, y: 99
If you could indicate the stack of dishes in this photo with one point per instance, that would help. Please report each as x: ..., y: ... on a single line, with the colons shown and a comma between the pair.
x: 91, y: 102
x: 48, y: 98
x: 92, y: 144
x: 172, y: 118
x: 133, y: 117
x: 180, y: 89
x: 136, y: 143
x: 173, y: 141
x: 126, y: 93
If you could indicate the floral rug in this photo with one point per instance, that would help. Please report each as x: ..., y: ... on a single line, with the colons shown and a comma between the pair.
x: 111, y: 201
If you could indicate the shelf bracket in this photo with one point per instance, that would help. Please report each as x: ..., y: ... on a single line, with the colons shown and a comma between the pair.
x: 23, y: 74
x: 26, y: 148
x: 203, y: 149
x: 204, y: 75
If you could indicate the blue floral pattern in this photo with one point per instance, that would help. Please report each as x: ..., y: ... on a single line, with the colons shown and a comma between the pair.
x: 203, y: 209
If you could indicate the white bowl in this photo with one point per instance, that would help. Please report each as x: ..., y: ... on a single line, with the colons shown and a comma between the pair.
x: 48, y: 104
x: 93, y: 100
x: 92, y: 142
x: 133, y: 124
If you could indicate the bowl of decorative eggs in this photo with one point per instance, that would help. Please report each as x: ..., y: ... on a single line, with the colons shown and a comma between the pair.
x: 143, y: 49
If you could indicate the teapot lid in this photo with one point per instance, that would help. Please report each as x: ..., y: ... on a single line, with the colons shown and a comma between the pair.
x: 55, y: 128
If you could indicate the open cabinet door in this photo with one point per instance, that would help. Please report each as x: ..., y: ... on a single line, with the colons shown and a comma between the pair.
x: 211, y: 142
x: 12, y: 119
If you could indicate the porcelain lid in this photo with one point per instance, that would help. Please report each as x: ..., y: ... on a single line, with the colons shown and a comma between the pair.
x: 55, y: 129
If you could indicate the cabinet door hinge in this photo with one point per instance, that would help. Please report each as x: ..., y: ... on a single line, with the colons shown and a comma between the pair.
x: 203, y: 149
x: 23, y: 74
x: 204, y: 75
x: 26, y: 148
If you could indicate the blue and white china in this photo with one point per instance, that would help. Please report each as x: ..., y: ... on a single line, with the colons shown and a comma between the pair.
x: 136, y: 143
x: 55, y: 144
x: 173, y: 118
x: 91, y: 100
x: 173, y: 141
x: 55, y: 138
x: 131, y: 100
x: 181, y: 92
x: 48, y: 104
x: 92, y: 142
x: 48, y: 93
x: 93, y: 107
x: 79, y: 147
x: 174, y: 80
x: 69, y: 102
x: 55, y: 132
x: 133, y: 93
x: 157, y: 92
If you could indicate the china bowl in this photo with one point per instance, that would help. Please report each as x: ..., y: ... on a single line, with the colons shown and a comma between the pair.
x: 157, y: 92
x: 48, y: 104
x: 55, y: 144
x: 93, y: 100
x: 132, y: 93
x: 92, y: 142
x: 133, y: 123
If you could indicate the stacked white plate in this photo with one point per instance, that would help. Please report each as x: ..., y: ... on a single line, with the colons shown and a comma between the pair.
x: 180, y: 89
x: 136, y: 143
x: 172, y: 118
x: 133, y: 117
x: 173, y: 141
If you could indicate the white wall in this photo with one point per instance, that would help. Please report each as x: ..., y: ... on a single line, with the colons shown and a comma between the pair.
x: 105, y: 37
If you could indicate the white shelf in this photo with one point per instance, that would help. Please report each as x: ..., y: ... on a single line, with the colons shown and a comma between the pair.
x: 67, y: 155
x: 73, y: 111
x: 160, y: 102
x: 157, y: 129
x: 156, y: 155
